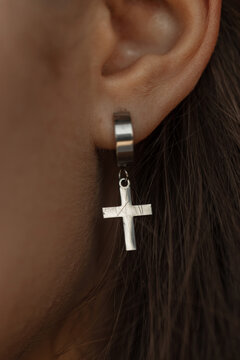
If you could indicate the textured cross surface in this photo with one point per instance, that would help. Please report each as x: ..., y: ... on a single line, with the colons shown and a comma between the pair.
x: 127, y: 211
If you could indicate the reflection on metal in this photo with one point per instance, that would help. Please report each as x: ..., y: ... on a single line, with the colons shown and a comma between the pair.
x: 124, y: 138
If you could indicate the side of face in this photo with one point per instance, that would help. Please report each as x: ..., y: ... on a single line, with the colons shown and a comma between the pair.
x: 48, y: 166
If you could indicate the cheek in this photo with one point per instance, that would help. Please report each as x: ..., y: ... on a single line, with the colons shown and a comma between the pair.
x: 47, y: 194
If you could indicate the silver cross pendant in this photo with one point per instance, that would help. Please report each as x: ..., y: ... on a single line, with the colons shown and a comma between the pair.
x: 127, y: 211
x: 125, y: 153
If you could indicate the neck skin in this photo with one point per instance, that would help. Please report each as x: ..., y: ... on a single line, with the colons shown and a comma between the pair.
x: 84, y: 332
x: 82, y: 335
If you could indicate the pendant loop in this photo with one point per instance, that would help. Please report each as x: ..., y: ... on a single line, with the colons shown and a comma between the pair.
x: 124, y: 138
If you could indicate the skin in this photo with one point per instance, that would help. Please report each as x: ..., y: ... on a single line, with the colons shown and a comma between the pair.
x: 64, y: 69
x: 49, y: 172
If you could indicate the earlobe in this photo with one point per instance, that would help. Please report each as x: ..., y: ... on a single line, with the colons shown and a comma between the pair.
x: 159, y: 53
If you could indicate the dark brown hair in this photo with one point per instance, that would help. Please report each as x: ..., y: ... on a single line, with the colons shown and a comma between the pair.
x: 178, y: 296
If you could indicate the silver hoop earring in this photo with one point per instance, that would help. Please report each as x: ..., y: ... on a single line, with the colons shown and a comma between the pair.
x: 125, y: 156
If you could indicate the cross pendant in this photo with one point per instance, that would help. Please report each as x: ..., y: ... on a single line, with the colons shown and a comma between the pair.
x: 127, y: 211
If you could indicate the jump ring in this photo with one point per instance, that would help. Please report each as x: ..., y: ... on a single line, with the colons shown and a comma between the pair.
x: 124, y: 173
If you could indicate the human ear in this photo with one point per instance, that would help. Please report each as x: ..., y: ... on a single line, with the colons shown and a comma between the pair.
x: 148, y: 57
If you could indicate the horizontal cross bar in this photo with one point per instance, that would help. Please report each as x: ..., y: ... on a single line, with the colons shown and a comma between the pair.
x: 127, y: 210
